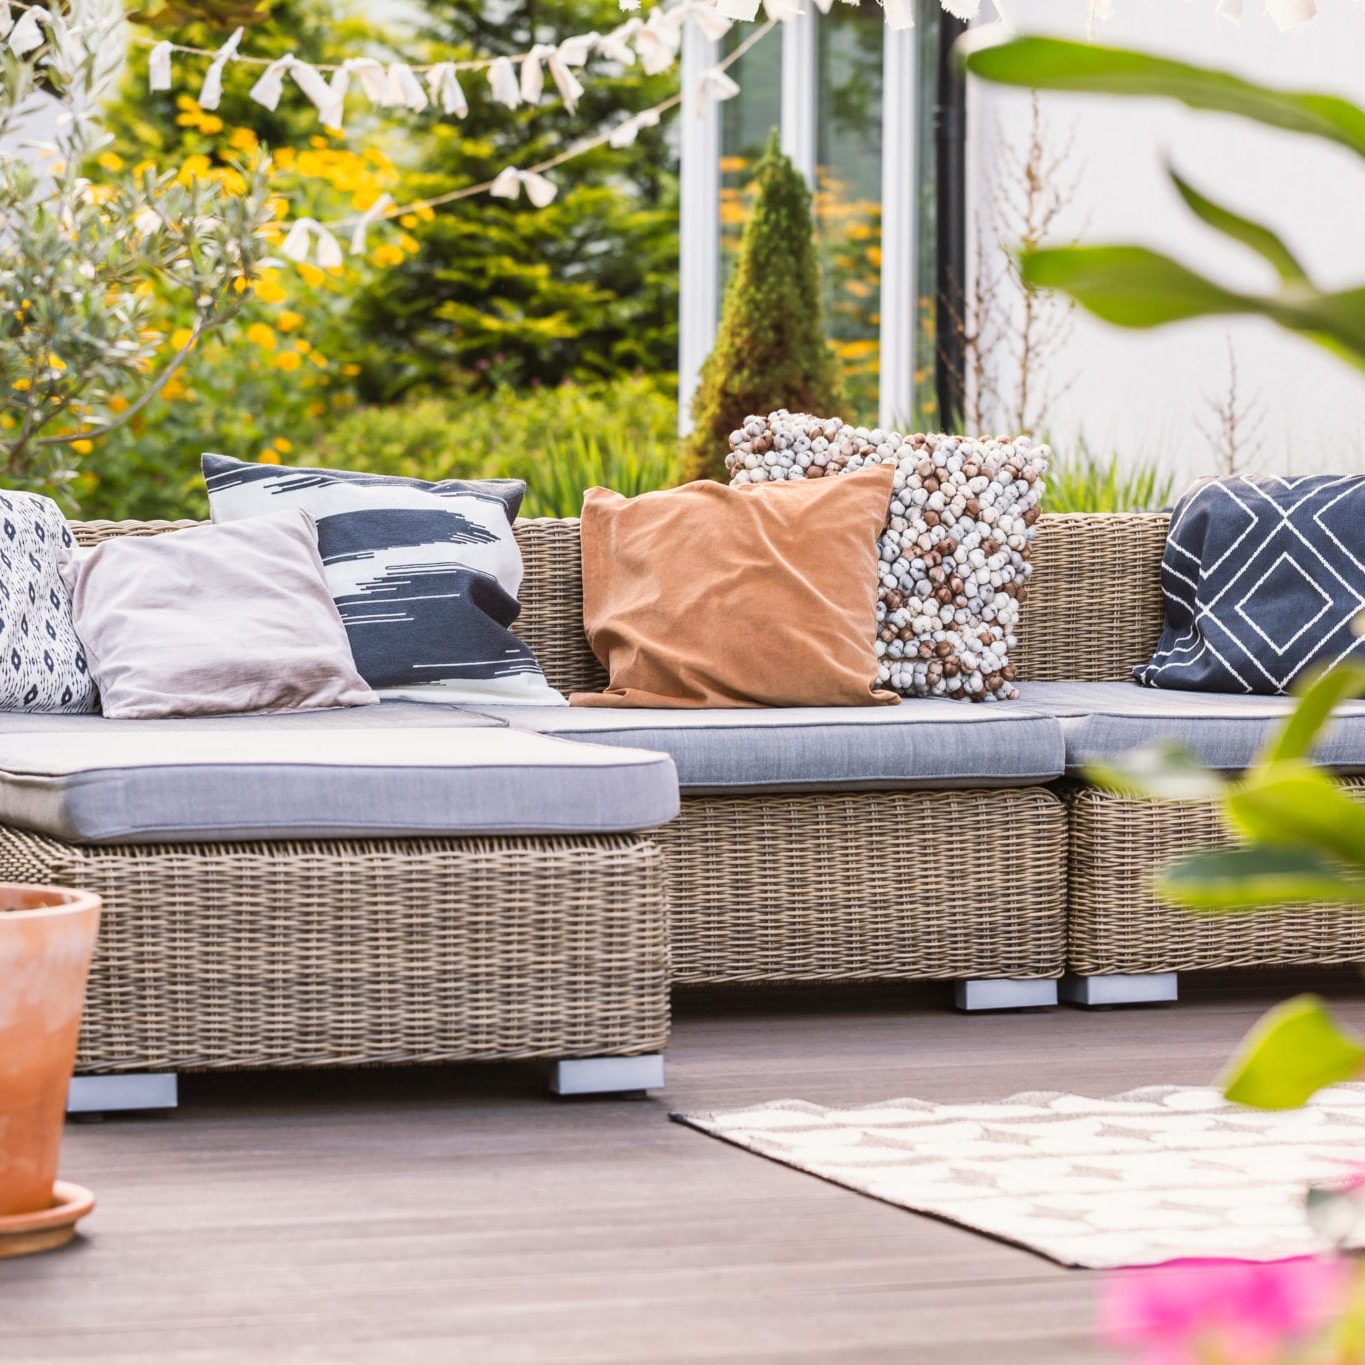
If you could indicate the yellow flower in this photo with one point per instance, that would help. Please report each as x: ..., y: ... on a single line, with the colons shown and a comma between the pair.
x: 55, y: 361
x: 211, y: 124
x: 352, y: 369
x: 311, y: 273
x: 283, y: 444
x: 186, y: 102
x: 316, y: 141
x: 181, y: 337
x: 409, y: 220
x: 118, y: 403
x: 268, y: 456
x: 261, y: 335
x: 82, y: 447
x: 288, y: 321
x: 110, y: 161
x: 302, y: 346
x: 143, y: 167
x: 268, y: 290
x: 386, y: 253
x: 288, y: 361
x: 243, y: 139
x: 408, y: 242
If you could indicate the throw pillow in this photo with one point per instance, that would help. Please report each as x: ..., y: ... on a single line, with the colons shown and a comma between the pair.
x: 212, y: 621
x: 1263, y: 579
x: 712, y: 596
x: 955, y: 554
x: 42, y: 662
x: 425, y: 575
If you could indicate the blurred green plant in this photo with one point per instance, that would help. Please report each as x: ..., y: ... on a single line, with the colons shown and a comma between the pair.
x: 1086, y: 482
x: 1134, y: 286
x: 1299, y: 839
x: 567, y: 465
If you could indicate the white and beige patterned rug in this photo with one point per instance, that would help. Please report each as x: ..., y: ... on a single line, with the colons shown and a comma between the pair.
x: 1149, y: 1176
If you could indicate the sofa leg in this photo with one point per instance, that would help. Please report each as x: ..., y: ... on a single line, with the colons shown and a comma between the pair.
x: 1147, y: 988
x: 608, y: 1075
x: 95, y: 1096
x: 1003, y: 994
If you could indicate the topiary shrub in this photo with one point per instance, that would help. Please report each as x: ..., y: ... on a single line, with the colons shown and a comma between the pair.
x: 771, y: 351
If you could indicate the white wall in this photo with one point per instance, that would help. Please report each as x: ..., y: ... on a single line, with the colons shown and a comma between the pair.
x: 1138, y: 394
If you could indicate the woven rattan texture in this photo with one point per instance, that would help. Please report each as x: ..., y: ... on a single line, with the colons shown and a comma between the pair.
x: 365, y: 952
x: 1094, y: 604
x: 1117, y: 924
x: 848, y: 886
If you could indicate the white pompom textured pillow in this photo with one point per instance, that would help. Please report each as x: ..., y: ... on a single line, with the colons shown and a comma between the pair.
x: 425, y: 575
x: 955, y: 553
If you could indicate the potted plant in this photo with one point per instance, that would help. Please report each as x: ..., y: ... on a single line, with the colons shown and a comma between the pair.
x: 47, y: 934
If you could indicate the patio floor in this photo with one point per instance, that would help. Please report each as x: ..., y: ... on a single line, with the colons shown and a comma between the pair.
x: 459, y: 1216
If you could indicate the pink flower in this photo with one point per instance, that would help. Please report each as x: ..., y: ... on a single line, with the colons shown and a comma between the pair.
x: 1196, y: 1312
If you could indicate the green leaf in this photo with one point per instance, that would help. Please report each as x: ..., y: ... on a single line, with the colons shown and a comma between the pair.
x: 1131, y: 286
x: 1327, y: 691
x: 1292, y: 1053
x: 1294, y: 804
x: 1158, y: 772
x: 1041, y: 63
x: 1251, y: 234
x: 1257, y: 879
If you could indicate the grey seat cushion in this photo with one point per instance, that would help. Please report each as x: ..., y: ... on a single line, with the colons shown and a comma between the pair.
x: 388, y: 771
x: 923, y: 742
x: 1225, y: 731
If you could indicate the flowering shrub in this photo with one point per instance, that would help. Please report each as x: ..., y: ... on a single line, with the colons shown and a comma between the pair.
x: 80, y: 350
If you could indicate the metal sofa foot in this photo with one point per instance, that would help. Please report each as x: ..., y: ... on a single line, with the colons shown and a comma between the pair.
x: 607, y: 1075
x: 1004, y: 994
x: 1146, y: 989
x: 121, y: 1094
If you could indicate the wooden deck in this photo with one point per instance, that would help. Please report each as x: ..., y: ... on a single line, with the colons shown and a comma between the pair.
x: 461, y: 1216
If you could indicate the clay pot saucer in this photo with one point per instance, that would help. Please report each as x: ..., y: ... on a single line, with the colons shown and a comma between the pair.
x: 23, y: 1234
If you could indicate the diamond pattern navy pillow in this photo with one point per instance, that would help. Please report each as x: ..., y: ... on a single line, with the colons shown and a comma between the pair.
x: 1262, y: 578
x: 42, y: 663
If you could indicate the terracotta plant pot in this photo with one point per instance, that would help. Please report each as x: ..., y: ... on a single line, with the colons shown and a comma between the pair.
x: 47, y: 935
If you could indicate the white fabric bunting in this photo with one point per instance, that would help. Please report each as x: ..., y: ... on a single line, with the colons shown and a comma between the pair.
x: 743, y: 10
x: 374, y: 80
x: 569, y: 86
x: 405, y: 89
x: 624, y: 134
x: 1231, y: 9
x: 299, y: 241
x: 363, y: 223
x: 159, y: 67
x: 510, y: 182
x: 26, y: 33
x: 718, y: 85
x: 443, y: 82
x: 212, y: 90
x: 575, y: 51
x: 6, y: 18
x: 502, y: 81
x: 900, y: 14
x: 270, y: 86
x: 1288, y: 14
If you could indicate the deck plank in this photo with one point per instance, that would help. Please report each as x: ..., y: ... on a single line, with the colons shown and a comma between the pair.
x: 458, y: 1214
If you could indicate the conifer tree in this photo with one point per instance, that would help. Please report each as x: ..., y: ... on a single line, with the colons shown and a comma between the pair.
x: 771, y: 350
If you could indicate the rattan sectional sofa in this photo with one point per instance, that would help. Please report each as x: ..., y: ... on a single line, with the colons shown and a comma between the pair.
x: 933, y: 840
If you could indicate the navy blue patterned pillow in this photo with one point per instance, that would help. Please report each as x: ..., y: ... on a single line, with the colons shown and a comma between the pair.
x: 425, y: 575
x: 42, y: 662
x: 1263, y: 579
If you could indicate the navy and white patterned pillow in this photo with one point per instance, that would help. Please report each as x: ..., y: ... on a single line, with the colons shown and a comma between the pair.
x: 1263, y: 579
x: 42, y: 662
x: 425, y: 575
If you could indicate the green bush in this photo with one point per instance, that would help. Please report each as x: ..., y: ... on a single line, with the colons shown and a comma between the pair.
x: 1084, y: 482
x: 771, y: 351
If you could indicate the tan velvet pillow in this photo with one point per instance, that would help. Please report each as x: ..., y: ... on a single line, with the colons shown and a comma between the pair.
x: 749, y: 595
x: 214, y: 620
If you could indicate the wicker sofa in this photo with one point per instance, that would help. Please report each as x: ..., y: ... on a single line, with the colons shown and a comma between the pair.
x: 336, y: 952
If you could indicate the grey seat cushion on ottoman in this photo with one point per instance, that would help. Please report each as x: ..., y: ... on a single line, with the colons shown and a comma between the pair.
x: 389, y: 771
x: 923, y: 742
x: 1226, y: 731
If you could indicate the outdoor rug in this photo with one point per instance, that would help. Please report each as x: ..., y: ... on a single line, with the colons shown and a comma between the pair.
x: 1140, y: 1178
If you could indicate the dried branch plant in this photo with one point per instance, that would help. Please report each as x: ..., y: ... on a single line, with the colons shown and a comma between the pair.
x: 1235, y: 423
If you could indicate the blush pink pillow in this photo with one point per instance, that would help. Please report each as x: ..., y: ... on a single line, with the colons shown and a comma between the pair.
x: 212, y: 621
